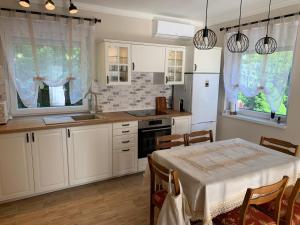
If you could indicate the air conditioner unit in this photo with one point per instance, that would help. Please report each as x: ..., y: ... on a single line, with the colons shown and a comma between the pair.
x: 169, y: 29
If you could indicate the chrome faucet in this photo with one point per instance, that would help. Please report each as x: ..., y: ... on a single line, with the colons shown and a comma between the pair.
x: 95, y: 94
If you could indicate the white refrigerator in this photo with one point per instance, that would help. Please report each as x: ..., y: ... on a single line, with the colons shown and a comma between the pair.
x: 201, y: 89
x: 200, y: 97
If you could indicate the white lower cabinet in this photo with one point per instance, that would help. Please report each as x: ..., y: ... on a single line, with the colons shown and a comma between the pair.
x: 16, y: 173
x: 90, y: 153
x: 125, y: 148
x: 181, y: 125
x: 124, y: 161
x: 50, y: 163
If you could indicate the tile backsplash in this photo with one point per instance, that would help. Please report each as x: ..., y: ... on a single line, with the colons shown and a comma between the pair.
x: 137, y: 96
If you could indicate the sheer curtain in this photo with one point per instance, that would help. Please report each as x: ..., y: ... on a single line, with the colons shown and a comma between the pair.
x: 251, y: 73
x: 47, y: 50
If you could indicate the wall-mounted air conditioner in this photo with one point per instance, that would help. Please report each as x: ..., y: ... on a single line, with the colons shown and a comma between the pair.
x: 167, y: 29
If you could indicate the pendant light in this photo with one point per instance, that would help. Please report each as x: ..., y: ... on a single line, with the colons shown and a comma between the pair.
x: 205, y: 39
x: 72, y: 8
x: 239, y: 42
x: 266, y: 45
x: 49, y: 5
x: 24, y: 3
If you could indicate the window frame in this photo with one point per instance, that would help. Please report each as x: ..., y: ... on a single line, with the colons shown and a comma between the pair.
x: 256, y: 115
x: 15, y: 111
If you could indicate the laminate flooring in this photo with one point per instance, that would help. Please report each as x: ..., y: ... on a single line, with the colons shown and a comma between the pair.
x: 120, y: 201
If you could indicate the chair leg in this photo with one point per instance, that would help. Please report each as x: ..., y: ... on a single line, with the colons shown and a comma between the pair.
x: 151, y: 214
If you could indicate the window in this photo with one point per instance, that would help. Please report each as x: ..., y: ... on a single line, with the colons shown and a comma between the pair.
x: 259, y: 104
x: 50, y: 98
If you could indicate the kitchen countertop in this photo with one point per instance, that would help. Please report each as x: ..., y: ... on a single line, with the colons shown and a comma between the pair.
x: 33, y: 123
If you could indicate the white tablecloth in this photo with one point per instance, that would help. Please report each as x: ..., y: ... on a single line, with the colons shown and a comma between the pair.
x: 215, y: 176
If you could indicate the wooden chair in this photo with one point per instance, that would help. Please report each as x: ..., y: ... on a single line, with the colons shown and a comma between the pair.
x: 247, y: 214
x: 279, y: 145
x: 169, y: 141
x: 157, y: 193
x: 290, y: 208
x: 199, y: 136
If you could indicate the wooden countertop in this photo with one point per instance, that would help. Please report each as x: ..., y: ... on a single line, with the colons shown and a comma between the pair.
x: 33, y: 123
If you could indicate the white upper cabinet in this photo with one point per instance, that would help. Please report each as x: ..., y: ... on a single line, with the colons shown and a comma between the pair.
x: 148, y: 58
x: 90, y: 153
x: 114, y: 65
x: 49, y: 151
x: 16, y: 171
x: 203, y: 61
x: 174, y: 67
x: 118, y: 59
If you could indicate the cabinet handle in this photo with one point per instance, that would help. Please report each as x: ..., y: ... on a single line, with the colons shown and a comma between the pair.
x: 195, y: 67
x: 125, y: 125
x: 173, y: 122
x: 32, y: 136
x: 125, y: 131
x: 125, y: 142
x: 107, y: 79
x: 69, y: 134
x: 167, y: 80
x: 126, y: 150
x: 27, y: 137
x: 133, y: 66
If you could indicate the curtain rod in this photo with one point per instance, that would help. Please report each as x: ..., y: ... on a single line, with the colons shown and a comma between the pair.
x: 260, y: 21
x: 95, y: 20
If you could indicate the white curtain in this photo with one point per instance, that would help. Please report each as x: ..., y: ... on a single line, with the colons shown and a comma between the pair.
x: 47, y: 50
x: 251, y: 73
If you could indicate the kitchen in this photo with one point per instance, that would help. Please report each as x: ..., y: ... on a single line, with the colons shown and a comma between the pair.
x: 126, y: 81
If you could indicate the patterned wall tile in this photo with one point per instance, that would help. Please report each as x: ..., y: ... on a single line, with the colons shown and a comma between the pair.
x: 137, y: 96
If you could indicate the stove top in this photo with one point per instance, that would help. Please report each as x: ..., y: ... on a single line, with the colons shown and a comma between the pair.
x: 141, y: 113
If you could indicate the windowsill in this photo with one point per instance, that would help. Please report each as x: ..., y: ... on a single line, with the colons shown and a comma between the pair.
x: 256, y: 120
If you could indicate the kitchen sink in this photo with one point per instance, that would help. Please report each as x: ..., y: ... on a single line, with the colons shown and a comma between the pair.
x: 87, y: 117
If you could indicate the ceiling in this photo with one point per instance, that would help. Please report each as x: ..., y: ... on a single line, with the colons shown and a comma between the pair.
x: 191, y: 10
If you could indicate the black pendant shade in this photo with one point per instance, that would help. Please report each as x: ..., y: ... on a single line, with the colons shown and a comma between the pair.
x: 266, y: 45
x: 239, y: 42
x: 205, y: 39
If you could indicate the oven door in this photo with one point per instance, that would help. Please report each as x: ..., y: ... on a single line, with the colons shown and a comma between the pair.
x: 147, y: 139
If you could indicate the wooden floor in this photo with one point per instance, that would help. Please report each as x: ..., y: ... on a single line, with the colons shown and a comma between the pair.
x: 121, y: 201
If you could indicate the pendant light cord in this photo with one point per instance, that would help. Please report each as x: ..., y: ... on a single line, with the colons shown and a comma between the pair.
x: 240, y: 14
x: 206, y: 13
x: 269, y: 17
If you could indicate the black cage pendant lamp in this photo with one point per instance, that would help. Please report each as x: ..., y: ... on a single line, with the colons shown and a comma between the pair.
x: 205, y: 39
x: 239, y: 42
x: 266, y: 45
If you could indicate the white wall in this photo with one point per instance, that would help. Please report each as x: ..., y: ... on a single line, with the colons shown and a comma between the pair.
x: 231, y: 128
x: 112, y: 26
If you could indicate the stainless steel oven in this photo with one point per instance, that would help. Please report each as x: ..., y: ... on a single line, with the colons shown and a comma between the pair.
x: 148, y: 131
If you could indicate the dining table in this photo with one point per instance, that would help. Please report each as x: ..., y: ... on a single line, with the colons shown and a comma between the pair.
x: 215, y: 176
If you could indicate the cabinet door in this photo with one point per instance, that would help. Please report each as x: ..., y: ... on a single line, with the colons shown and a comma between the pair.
x: 118, y: 63
x: 174, y: 70
x: 208, y: 61
x: 181, y: 125
x: 16, y: 173
x: 50, y: 160
x: 124, y: 161
x: 90, y: 153
x: 147, y: 58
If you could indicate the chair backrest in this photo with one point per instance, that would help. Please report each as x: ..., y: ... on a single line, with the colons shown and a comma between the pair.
x: 291, y: 203
x: 262, y: 195
x: 161, y: 172
x: 199, y: 136
x: 279, y: 145
x: 169, y: 141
